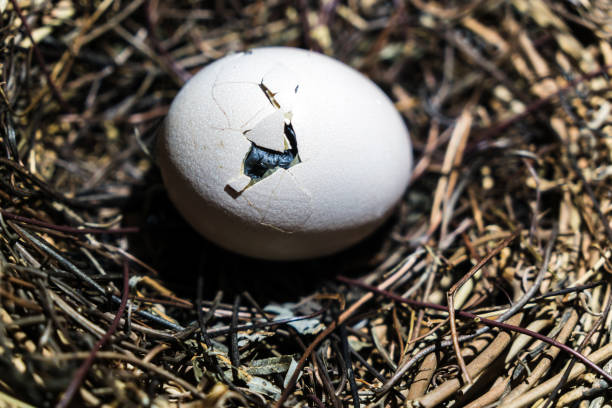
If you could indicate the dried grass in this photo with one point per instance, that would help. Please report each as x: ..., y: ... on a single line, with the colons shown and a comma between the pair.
x: 509, y: 108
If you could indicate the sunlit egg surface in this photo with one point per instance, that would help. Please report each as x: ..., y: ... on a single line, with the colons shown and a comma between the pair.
x: 281, y: 153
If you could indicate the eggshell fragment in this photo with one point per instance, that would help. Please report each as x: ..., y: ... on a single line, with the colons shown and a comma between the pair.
x: 269, y: 132
x: 282, y: 153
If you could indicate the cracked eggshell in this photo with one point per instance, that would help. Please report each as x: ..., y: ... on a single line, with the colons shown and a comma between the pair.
x: 355, y: 155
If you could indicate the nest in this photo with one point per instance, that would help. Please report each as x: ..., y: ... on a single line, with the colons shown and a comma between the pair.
x: 489, y: 287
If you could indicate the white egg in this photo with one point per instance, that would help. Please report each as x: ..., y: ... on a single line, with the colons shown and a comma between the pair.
x: 281, y: 153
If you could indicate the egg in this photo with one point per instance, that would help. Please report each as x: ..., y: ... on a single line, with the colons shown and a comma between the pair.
x: 283, y: 154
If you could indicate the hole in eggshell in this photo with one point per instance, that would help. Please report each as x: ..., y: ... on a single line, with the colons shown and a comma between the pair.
x: 261, y: 162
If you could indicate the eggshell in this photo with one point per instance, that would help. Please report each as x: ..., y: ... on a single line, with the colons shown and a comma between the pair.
x: 350, y: 166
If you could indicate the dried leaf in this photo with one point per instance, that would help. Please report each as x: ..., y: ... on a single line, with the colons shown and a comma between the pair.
x: 305, y: 326
x: 261, y: 386
x: 271, y: 365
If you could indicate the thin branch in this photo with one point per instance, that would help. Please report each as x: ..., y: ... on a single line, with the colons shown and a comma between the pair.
x: 67, y: 229
x: 481, y: 320
x: 79, y: 377
x: 330, y: 328
x: 41, y: 61
x: 451, y: 300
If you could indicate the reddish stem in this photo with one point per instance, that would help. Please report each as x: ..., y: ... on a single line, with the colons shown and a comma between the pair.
x: 79, y: 377
x: 477, y: 319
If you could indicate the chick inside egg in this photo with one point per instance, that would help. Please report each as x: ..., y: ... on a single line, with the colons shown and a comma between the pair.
x: 261, y: 162
x: 273, y: 140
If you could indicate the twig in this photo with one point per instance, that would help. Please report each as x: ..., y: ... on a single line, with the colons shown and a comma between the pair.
x: 477, y: 366
x: 544, y: 365
x: 476, y: 319
x: 545, y: 388
x: 111, y: 355
x: 152, y: 17
x: 451, y: 301
x: 584, y: 343
x: 349, y: 366
x: 41, y: 61
x: 535, y: 106
x: 203, y: 320
x: 79, y: 377
x: 62, y: 260
x: 423, y: 377
x: 71, y: 230
x: 572, y: 289
x: 234, y: 352
x: 332, y: 326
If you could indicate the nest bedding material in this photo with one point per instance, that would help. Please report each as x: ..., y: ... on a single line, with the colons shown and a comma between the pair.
x: 107, y: 298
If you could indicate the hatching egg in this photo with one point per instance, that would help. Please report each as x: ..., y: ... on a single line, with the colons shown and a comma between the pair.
x: 282, y: 153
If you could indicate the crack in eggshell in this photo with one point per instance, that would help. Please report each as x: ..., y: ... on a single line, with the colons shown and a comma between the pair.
x: 261, y: 114
x: 247, y: 111
x: 265, y: 197
x: 269, y: 132
x: 277, y: 84
x: 284, y: 84
x: 279, y: 80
